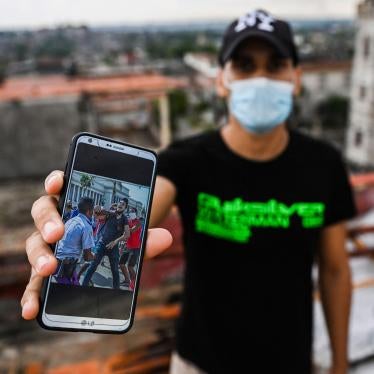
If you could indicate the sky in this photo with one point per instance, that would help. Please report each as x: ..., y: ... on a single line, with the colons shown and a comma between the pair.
x: 137, y: 192
x: 44, y: 13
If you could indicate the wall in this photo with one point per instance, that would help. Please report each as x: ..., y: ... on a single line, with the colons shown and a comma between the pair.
x: 35, y: 136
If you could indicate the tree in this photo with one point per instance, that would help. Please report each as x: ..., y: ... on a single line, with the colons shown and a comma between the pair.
x: 86, y: 182
x: 333, y: 112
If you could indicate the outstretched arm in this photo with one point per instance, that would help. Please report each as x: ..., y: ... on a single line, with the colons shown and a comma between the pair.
x: 50, y: 229
x: 335, y: 288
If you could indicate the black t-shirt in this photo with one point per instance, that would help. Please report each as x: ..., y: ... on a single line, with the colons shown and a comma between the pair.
x: 250, y: 233
x: 114, y: 227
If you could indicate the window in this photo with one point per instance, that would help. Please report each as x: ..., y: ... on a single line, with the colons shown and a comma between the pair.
x: 347, y: 80
x: 322, y: 81
x: 75, y: 197
x: 366, y: 46
x: 362, y: 92
x: 358, y: 138
x: 70, y: 195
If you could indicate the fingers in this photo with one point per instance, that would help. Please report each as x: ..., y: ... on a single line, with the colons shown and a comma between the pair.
x: 44, y: 263
x: 53, y: 183
x: 30, y: 299
x: 50, y: 226
x: 47, y: 219
x: 158, y: 241
x: 40, y: 255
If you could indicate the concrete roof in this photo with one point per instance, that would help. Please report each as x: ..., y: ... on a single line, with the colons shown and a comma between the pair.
x: 37, y: 87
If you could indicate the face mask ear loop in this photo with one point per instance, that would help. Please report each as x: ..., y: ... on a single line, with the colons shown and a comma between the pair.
x: 225, y: 80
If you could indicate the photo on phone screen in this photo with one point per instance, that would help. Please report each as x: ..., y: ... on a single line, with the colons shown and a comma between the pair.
x: 98, y: 212
x: 105, y: 212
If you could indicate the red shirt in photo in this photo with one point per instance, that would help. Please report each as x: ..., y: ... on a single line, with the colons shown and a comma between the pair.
x: 134, y: 241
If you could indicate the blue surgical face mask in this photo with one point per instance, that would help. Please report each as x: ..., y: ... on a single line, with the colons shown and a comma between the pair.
x: 260, y: 104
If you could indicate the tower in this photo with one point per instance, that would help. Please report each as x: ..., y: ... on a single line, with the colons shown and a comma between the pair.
x: 360, y: 136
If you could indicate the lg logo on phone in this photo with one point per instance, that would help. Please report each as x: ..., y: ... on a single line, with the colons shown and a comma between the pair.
x: 88, y: 323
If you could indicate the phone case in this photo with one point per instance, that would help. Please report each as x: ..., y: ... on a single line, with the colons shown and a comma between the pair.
x: 68, y: 167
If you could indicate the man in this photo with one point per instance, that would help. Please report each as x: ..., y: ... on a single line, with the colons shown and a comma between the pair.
x: 115, y: 229
x: 258, y: 203
x: 99, y: 218
x: 130, y: 257
x: 77, y: 240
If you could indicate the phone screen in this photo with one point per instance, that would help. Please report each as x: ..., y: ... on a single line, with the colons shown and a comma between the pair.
x: 105, y: 212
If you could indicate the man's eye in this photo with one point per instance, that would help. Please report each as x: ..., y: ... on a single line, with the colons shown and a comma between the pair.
x: 244, y: 66
x: 276, y: 65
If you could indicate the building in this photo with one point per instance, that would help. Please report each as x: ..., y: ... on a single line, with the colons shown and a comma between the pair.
x: 40, y: 114
x: 102, y: 191
x: 360, y: 136
x: 322, y: 79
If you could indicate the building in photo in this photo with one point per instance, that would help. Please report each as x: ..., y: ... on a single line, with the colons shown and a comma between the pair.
x: 103, y: 191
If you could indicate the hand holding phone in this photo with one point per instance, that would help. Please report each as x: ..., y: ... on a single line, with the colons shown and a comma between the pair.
x: 50, y: 229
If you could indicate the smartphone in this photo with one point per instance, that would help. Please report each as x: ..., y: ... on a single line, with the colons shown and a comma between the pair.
x: 105, y: 204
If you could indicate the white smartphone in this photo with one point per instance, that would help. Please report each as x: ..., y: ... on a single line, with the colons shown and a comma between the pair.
x: 105, y: 205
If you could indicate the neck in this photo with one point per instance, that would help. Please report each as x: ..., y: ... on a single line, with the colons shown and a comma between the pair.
x: 256, y: 147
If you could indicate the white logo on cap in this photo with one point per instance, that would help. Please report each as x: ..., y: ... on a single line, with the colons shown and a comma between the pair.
x: 250, y: 20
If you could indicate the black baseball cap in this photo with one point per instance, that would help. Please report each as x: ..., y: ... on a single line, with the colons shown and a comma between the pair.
x: 259, y: 24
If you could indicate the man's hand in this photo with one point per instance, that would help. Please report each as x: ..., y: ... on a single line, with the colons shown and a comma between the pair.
x: 111, y: 245
x: 88, y: 255
x: 50, y: 229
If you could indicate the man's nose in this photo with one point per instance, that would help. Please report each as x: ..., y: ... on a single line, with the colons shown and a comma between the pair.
x: 260, y: 72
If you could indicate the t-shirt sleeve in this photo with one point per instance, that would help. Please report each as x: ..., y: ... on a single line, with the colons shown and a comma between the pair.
x: 173, y: 163
x: 125, y: 220
x: 341, y: 205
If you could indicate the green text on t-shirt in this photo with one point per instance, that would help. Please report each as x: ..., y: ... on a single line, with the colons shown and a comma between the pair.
x: 233, y: 220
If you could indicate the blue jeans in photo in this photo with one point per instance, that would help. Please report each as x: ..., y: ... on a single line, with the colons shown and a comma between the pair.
x: 101, y: 251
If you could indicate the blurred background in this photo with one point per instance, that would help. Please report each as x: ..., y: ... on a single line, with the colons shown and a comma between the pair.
x: 144, y: 72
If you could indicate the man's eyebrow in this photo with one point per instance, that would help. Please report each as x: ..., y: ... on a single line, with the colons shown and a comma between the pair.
x: 242, y: 55
x: 278, y: 56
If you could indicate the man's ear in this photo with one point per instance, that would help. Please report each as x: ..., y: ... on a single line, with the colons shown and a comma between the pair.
x: 221, y: 89
x: 297, y: 81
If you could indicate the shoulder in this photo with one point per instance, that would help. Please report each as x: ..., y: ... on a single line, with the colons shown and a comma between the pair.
x: 309, y: 147
x: 193, y: 143
x: 75, y: 223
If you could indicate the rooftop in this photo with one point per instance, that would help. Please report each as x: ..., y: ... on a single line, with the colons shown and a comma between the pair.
x: 326, y: 66
x: 39, y: 87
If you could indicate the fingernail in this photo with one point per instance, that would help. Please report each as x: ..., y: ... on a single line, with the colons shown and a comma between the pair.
x: 49, y: 227
x: 51, y: 178
x: 40, y: 262
x: 27, y: 305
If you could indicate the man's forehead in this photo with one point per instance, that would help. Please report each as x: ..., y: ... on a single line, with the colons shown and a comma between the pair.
x: 253, y: 45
